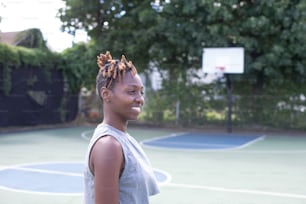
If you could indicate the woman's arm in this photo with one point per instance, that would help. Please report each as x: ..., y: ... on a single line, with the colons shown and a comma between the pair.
x: 106, y: 162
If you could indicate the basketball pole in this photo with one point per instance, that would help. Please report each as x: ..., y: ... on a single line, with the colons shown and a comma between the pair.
x: 225, y: 60
x: 229, y: 102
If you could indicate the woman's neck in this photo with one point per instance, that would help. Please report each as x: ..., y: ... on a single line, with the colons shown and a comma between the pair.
x: 118, y: 125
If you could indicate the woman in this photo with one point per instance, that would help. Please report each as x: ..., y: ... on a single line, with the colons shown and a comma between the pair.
x: 117, y: 170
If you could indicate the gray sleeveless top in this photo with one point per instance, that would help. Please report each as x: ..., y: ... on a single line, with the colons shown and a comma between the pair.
x: 137, y: 181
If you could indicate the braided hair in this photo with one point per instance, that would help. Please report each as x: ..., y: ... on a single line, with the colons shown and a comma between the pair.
x: 111, y: 71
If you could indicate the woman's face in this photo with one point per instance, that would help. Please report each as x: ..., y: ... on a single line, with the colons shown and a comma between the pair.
x: 127, y: 97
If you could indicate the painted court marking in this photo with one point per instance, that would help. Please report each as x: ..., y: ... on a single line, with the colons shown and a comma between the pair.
x: 86, y: 135
x: 235, y: 190
x: 58, y: 178
x: 202, y: 141
x: 20, y: 178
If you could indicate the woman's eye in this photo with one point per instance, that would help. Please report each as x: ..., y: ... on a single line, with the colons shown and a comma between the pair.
x: 134, y: 92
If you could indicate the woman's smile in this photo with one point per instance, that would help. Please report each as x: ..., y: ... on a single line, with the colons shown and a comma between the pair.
x: 137, y: 108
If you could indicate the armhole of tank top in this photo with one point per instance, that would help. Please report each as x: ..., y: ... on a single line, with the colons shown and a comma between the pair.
x: 89, y: 156
x: 123, y: 163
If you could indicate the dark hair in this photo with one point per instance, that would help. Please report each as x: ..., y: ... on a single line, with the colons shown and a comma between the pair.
x: 112, y: 71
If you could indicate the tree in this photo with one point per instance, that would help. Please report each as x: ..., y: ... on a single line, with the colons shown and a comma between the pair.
x: 79, y: 66
x: 270, y: 31
x: 172, y: 34
x: 31, y: 38
x: 120, y: 26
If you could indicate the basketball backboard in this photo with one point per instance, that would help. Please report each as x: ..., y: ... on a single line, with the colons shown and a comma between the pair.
x: 225, y: 60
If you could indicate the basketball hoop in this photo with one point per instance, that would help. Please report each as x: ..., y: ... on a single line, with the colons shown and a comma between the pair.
x: 227, y: 60
x: 221, y: 62
x: 219, y: 72
x: 221, y: 68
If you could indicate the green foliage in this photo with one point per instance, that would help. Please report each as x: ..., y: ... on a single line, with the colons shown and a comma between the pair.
x: 18, y: 56
x: 122, y: 27
x: 285, y: 111
x: 172, y: 35
x: 154, y: 109
x: 6, y: 81
x: 197, y: 106
x: 9, y: 55
x: 12, y: 57
x: 31, y: 38
x: 79, y: 66
x: 271, y: 32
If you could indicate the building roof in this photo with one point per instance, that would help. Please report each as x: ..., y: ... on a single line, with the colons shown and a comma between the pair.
x: 8, y: 37
x: 30, y: 38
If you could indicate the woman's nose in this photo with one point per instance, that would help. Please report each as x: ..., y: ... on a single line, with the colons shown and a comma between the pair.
x: 140, y: 99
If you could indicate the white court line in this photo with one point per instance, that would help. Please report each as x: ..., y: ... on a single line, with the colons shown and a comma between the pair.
x: 47, y: 171
x: 168, y: 176
x: 225, y: 146
x: 84, y: 133
x: 29, y: 169
x: 15, y: 166
x: 20, y: 167
x: 284, y: 151
x: 237, y: 190
x: 39, y: 193
x: 239, y: 149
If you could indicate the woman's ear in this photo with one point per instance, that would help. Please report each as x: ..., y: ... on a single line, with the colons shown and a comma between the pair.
x: 105, y: 94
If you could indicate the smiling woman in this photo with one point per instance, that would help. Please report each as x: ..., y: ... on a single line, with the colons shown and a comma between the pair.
x: 117, y: 169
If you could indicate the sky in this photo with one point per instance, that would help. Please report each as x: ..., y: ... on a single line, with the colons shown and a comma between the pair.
x: 18, y: 15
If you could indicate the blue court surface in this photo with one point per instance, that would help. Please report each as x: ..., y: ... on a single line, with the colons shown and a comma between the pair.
x: 202, y: 141
x: 51, y: 178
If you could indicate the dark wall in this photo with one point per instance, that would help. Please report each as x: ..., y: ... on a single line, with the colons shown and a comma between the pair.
x: 36, y: 98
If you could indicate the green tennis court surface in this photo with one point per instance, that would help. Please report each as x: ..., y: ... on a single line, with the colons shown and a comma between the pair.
x: 45, y: 166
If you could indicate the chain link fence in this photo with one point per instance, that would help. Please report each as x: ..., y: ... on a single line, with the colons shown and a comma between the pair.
x: 199, y: 109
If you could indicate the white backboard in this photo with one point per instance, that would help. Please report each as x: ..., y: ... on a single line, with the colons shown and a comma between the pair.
x: 227, y: 60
